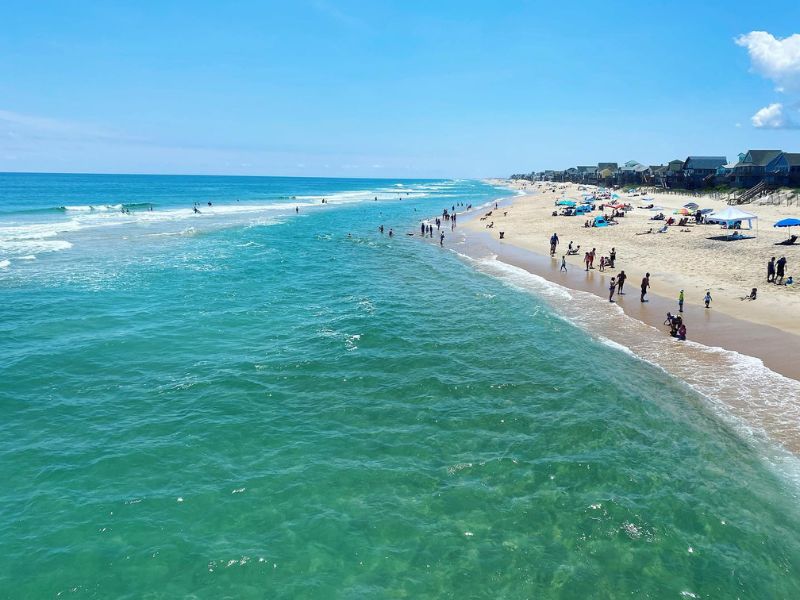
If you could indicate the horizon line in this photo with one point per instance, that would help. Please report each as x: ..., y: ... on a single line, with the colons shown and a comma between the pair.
x: 146, y: 174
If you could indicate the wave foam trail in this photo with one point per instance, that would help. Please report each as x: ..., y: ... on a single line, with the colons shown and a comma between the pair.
x: 762, y: 405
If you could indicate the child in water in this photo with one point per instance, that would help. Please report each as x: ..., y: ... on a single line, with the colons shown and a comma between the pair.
x: 707, y: 299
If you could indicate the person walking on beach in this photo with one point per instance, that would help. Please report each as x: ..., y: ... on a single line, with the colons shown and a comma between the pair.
x: 612, y: 257
x: 563, y: 264
x: 707, y: 298
x: 780, y: 269
x: 611, y: 287
x: 645, y: 285
x: 553, y: 244
x: 592, y: 254
x: 771, y: 270
x: 621, y: 282
x: 586, y: 260
x: 680, y: 301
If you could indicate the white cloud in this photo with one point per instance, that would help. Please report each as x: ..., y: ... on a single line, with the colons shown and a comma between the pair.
x: 777, y: 59
x: 773, y: 117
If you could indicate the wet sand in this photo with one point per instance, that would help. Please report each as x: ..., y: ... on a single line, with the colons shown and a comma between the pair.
x: 780, y: 351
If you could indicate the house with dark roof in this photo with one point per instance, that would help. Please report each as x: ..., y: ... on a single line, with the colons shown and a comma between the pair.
x: 753, y: 168
x: 673, y: 175
x: 587, y: 174
x: 699, y: 170
x: 784, y: 169
x: 655, y: 174
x: 606, y: 172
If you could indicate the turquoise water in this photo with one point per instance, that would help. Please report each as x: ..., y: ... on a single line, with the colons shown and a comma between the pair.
x: 249, y: 403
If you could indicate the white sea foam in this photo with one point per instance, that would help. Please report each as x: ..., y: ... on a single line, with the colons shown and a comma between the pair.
x: 4, y: 264
x: 28, y: 249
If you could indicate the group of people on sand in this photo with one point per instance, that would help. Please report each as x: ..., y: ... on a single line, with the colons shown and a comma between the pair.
x: 776, y: 271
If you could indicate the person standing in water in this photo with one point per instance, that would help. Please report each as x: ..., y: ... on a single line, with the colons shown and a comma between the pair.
x: 645, y: 286
x: 611, y: 287
x: 621, y: 282
x: 441, y: 239
x: 563, y: 264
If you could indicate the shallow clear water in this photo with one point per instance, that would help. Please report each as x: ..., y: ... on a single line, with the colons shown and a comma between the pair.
x: 250, y: 403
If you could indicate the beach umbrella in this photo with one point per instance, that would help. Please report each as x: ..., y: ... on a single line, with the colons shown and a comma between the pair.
x: 691, y: 206
x: 566, y: 203
x: 614, y: 196
x: 705, y: 211
x: 681, y: 211
x: 788, y: 223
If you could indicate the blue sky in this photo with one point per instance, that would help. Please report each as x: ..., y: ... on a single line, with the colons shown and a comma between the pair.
x: 391, y: 89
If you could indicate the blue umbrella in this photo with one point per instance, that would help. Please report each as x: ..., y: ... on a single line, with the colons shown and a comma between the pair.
x: 788, y: 223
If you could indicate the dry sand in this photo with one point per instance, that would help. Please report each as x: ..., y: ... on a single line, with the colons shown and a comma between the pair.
x: 675, y: 260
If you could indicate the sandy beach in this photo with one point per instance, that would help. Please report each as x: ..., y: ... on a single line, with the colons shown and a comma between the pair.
x: 768, y: 328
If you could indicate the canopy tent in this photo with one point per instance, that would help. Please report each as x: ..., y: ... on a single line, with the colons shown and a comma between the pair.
x: 731, y: 214
x: 731, y: 217
x: 691, y: 206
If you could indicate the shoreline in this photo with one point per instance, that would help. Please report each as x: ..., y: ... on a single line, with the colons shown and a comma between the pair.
x: 764, y: 332
x: 714, y: 329
x: 746, y: 371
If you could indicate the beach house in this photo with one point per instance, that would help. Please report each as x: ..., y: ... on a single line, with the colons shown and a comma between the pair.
x: 587, y: 174
x: 753, y: 168
x: 631, y: 173
x: 606, y: 172
x: 673, y: 175
x: 784, y: 169
x: 699, y: 171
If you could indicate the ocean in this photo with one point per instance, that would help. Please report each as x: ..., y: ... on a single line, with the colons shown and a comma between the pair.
x: 272, y: 399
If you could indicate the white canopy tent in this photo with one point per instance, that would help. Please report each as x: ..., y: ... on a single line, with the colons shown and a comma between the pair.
x: 732, y: 215
x: 733, y: 218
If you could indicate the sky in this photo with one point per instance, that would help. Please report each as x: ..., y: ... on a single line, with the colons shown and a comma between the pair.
x: 405, y: 88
